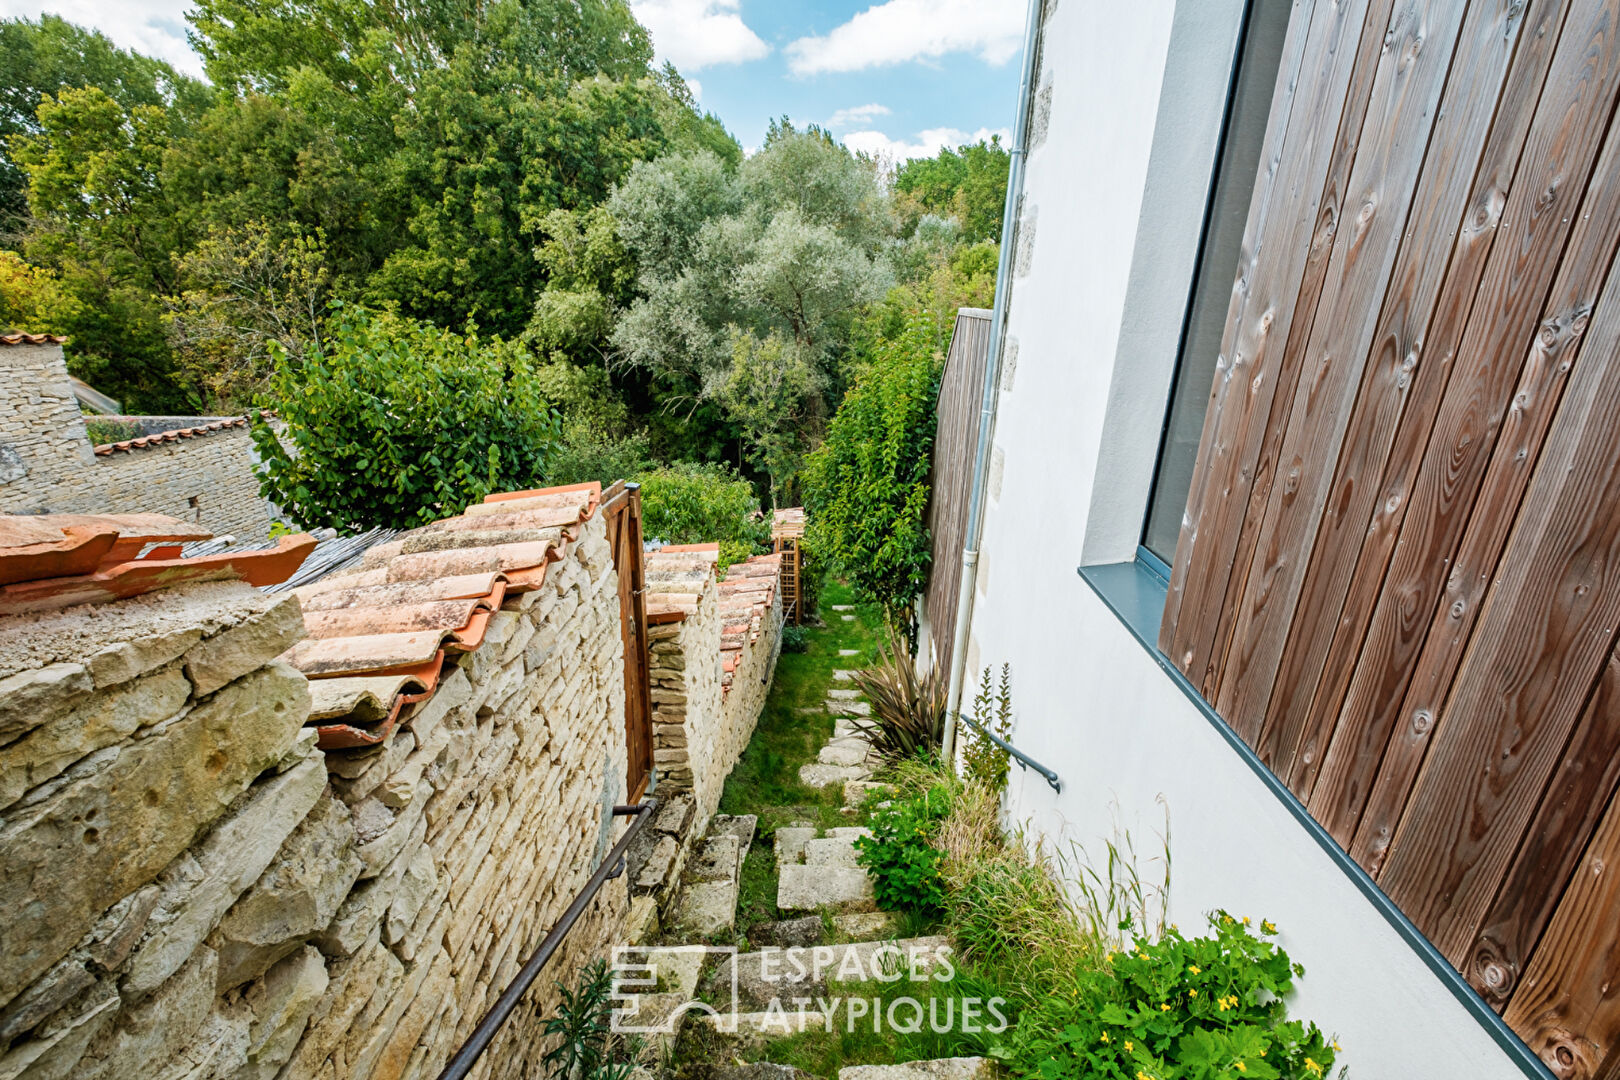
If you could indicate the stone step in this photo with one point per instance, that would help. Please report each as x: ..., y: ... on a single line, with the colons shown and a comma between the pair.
x: 849, y: 708
x: 818, y: 775
x: 811, y: 888
x: 850, y: 725
x: 962, y: 1068
x: 741, y: 826
x: 759, y: 1070
x: 852, y: 752
x: 849, y: 652
x: 709, y: 904
x: 843, y: 675
x: 855, y: 791
x: 790, y: 841
x: 842, y: 694
x: 781, y: 975
x: 808, y: 930
x: 867, y: 925
x: 847, y: 618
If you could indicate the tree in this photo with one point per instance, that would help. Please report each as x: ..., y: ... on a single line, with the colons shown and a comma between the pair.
x: 39, y: 59
x: 398, y: 423
x: 248, y: 294
x: 700, y: 504
x: 969, y: 184
x: 867, y: 485
x: 748, y: 283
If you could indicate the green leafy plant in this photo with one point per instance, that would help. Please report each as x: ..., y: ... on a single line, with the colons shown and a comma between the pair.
x: 398, y: 423
x: 866, y: 487
x: 587, y: 1048
x: 900, y: 855
x: 793, y: 639
x: 1205, y: 1008
x: 688, y: 503
x: 908, y: 708
x: 982, y: 760
x: 103, y: 430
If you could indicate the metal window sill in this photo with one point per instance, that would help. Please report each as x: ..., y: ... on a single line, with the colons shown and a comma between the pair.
x: 1135, y: 591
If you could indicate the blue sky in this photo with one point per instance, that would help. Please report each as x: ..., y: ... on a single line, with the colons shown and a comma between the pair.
x: 894, y: 77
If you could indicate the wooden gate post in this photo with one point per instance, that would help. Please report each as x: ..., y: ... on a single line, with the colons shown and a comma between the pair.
x: 621, y: 504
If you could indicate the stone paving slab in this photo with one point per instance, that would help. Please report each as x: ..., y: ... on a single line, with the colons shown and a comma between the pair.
x: 784, y: 974
x: 849, y: 708
x: 849, y: 652
x: 843, y: 674
x: 867, y: 925
x: 830, y: 851
x: 819, y: 775
x: 717, y: 860
x: 741, y: 826
x: 809, y: 888
x: 708, y: 908
x: 964, y: 1068
x: 839, y: 694
x: 847, y: 618
x: 855, y: 791
x: 833, y: 754
x: 790, y: 843
x: 843, y: 607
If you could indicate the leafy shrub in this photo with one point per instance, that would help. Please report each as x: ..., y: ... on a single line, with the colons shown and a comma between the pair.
x: 983, y: 761
x: 1207, y: 1007
x: 587, y: 1049
x: 398, y: 423
x: 793, y: 639
x: 900, y: 854
x: 586, y: 455
x: 908, y: 708
x: 688, y: 503
x: 866, y: 487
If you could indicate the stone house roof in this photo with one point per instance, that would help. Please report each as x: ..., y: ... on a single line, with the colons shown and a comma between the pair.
x: 173, y: 435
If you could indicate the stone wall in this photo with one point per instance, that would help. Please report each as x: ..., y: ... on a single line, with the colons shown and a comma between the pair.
x: 47, y: 464
x: 685, y: 672
x: 194, y: 890
x: 45, y: 455
x: 751, y: 613
x: 207, y: 479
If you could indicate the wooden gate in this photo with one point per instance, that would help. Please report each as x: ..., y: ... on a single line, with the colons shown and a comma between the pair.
x: 621, y: 505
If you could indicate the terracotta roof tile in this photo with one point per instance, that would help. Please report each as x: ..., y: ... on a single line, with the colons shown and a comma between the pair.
x: 32, y: 339
x: 425, y: 594
x: 788, y: 523
x: 53, y: 561
x: 130, y: 445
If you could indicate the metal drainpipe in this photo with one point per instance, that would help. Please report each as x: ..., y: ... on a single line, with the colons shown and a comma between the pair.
x: 992, y: 378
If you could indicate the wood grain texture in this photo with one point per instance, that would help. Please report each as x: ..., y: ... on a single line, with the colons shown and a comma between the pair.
x: 1583, y: 785
x: 1396, y: 350
x: 1565, y: 134
x: 1547, y: 629
x: 1251, y: 370
x: 956, y: 440
x: 1282, y: 101
x: 1554, y: 351
x: 1567, y: 1009
x: 1410, y: 74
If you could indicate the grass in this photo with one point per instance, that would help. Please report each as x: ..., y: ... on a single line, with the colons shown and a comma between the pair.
x: 793, y: 727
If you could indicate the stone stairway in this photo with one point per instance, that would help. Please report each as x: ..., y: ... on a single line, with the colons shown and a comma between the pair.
x: 848, y: 755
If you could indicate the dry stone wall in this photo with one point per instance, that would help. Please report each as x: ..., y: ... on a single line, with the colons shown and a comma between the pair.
x: 194, y: 890
x: 47, y: 464
x: 685, y: 673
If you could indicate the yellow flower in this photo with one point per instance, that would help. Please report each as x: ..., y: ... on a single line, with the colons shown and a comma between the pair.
x: 1269, y: 927
x: 1105, y: 1036
x: 1311, y: 1066
x: 1227, y: 919
x: 1336, y: 1046
x: 1221, y: 1004
x: 1192, y: 993
x: 1240, y: 1066
x: 1245, y: 920
x: 1194, y: 968
x: 1129, y: 1046
x: 1164, y: 1008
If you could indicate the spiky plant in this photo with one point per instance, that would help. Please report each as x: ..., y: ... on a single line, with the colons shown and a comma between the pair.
x: 908, y: 708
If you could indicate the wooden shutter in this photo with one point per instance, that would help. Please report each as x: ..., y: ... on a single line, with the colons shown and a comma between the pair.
x: 1398, y: 578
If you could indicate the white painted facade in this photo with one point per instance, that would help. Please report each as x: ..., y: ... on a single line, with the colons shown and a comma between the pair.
x: 1115, y: 186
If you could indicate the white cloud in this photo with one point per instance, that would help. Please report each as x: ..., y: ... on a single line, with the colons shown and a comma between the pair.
x: 153, y: 27
x: 896, y: 31
x: 926, y: 144
x: 694, y: 34
x: 859, y: 114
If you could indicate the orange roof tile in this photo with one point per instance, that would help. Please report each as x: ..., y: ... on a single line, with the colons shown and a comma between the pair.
x: 130, y: 445
x: 32, y: 339
x: 54, y: 561
x: 425, y: 594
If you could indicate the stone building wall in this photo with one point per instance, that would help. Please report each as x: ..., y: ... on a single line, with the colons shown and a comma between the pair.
x: 195, y: 890
x: 45, y: 455
x: 207, y: 479
x: 47, y: 464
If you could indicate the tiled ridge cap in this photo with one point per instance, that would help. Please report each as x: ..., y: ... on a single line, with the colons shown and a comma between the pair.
x: 174, y: 435
x: 21, y: 338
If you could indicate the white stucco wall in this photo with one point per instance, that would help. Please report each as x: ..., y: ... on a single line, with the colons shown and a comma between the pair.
x: 1085, y: 399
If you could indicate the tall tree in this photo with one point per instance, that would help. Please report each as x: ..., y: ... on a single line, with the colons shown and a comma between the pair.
x: 968, y: 183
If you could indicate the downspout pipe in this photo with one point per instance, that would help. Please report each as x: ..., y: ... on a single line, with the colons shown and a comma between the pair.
x: 992, y: 380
